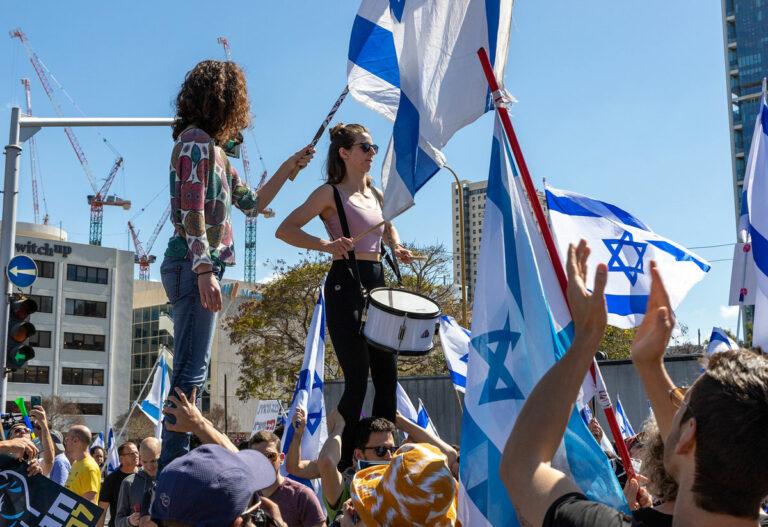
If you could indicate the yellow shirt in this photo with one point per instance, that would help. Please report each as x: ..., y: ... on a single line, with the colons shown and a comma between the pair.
x: 85, y: 477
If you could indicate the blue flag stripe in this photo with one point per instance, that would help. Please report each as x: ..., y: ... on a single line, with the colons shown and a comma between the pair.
x: 413, y: 164
x: 372, y: 48
x: 679, y: 254
x: 584, y: 206
x: 759, y: 250
x: 623, y: 305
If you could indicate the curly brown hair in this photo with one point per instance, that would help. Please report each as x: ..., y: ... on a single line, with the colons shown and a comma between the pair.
x: 214, y: 98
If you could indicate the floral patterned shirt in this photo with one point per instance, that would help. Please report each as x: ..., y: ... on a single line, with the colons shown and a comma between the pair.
x: 202, y: 195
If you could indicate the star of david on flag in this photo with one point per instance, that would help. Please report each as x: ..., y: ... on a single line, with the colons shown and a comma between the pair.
x: 521, y: 326
x: 626, y: 245
x: 309, y: 392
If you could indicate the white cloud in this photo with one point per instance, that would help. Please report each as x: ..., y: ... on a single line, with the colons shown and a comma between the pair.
x: 729, y: 312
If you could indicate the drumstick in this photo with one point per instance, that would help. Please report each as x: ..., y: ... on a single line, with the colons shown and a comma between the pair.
x: 362, y: 234
x: 326, y: 122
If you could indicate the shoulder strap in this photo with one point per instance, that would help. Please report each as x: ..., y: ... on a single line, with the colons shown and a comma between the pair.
x: 345, y: 231
x: 391, y: 260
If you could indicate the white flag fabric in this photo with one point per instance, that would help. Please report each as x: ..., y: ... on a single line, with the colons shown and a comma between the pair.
x: 152, y: 406
x: 113, y: 458
x: 407, y: 410
x: 424, y: 421
x: 521, y: 326
x: 720, y: 341
x: 99, y: 441
x: 308, y: 394
x: 625, y: 427
x: 756, y: 194
x: 626, y: 245
x: 454, y: 340
x: 415, y: 62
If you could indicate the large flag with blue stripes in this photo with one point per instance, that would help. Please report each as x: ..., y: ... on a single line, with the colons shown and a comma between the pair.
x: 308, y: 394
x: 113, y: 458
x: 625, y: 426
x: 454, y: 340
x: 415, y: 62
x: 756, y: 199
x: 626, y: 245
x: 152, y: 406
x: 521, y: 326
x: 720, y: 341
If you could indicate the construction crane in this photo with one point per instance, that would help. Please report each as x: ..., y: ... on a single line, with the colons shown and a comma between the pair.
x: 100, y: 196
x: 33, y: 164
x: 142, y: 256
x: 251, y: 222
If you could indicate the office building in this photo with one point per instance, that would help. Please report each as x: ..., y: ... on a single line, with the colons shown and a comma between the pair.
x: 84, y: 295
x: 745, y: 38
x: 474, y: 210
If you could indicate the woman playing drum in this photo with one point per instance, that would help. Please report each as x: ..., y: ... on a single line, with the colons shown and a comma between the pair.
x: 350, y: 156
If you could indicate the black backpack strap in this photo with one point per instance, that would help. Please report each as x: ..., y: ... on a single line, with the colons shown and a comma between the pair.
x: 345, y: 231
x: 391, y: 260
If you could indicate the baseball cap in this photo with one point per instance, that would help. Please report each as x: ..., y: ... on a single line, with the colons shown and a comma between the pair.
x: 210, y: 486
x: 58, y: 441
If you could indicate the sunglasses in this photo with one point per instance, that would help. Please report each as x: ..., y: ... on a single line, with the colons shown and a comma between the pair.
x: 272, y: 455
x: 381, y: 451
x: 367, y: 147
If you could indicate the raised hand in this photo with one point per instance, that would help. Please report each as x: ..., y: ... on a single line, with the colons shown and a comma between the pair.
x: 653, y: 335
x: 588, y: 310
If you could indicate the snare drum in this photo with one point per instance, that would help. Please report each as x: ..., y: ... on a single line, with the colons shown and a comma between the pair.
x: 400, y: 321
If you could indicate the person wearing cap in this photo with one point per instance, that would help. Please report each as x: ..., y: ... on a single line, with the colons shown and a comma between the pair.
x: 298, y: 505
x: 61, y: 466
x: 214, y: 487
x: 416, y: 489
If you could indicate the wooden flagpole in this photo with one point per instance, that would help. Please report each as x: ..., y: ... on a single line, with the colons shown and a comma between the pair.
x: 549, y: 241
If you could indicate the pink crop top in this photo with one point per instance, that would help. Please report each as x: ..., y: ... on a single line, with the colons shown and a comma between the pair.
x: 360, y: 220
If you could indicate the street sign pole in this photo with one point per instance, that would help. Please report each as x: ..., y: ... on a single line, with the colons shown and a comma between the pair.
x: 7, y: 238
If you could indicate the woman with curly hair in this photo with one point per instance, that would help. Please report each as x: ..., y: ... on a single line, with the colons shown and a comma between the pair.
x: 212, y: 109
x: 350, y: 156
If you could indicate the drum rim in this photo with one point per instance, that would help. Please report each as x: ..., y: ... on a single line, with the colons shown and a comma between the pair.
x: 400, y: 312
x: 405, y: 353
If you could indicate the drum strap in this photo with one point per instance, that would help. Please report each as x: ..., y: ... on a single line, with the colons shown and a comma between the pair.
x: 345, y: 231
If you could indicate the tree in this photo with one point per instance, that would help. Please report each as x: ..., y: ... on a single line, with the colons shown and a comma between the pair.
x: 61, y: 413
x: 617, y: 342
x: 216, y: 416
x: 138, y: 427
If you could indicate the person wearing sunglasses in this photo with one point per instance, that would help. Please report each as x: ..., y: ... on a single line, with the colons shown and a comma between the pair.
x: 356, y: 230
x: 212, y: 108
x: 299, y: 507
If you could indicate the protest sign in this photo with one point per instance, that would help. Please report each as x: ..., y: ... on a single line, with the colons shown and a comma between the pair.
x: 267, y: 415
x: 38, y: 501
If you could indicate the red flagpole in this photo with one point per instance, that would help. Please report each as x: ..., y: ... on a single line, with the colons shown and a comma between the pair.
x: 548, y: 239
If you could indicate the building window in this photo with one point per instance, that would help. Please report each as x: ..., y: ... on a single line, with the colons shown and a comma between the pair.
x: 32, y: 374
x: 44, y: 303
x: 86, y: 308
x: 41, y: 339
x: 82, y: 273
x: 45, y: 269
x: 90, y: 408
x: 82, y: 376
x: 84, y: 341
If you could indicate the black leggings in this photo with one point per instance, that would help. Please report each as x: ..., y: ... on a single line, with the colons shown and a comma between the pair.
x: 344, y: 302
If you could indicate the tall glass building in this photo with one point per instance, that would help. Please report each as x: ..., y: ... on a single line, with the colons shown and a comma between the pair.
x: 745, y: 36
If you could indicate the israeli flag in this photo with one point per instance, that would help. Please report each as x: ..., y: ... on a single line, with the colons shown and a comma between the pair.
x: 625, y: 427
x: 415, y: 62
x: 407, y: 410
x: 756, y: 194
x: 626, y: 245
x: 308, y: 394
x: 521, y: 327
x: 152, y: 406
x: 454, y: 340
x: 424, y: 421
x: 113, y: 458
x: 720, y: 341
x: 99, y: 441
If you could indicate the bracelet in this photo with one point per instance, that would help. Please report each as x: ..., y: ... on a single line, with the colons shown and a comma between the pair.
x: 204, y: 272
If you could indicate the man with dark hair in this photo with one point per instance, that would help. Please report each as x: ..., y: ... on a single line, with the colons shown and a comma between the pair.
x: 298, y: 505
x: 110, y: 489
x: 84, y: 477
x: 374, y: 444
x: 715, y: 434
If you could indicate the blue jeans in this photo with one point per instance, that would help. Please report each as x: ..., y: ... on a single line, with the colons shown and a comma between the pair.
x: 193, y: 328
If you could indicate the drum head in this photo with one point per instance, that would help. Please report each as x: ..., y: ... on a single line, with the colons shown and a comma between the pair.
x: 404, y: 303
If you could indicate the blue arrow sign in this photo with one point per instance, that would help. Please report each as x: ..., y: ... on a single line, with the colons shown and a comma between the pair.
x: 22, y: 271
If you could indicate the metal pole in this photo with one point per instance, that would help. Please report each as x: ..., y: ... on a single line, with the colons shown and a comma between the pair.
x: 226, y: 412
x: 8, y: 236
x: 460, y: 191
x: 38, y: 122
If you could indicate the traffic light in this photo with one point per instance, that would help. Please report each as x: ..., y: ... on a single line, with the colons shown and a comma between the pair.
x: 19, y: 330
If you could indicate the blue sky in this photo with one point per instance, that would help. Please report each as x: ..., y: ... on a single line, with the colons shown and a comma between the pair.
x: 627, y: 105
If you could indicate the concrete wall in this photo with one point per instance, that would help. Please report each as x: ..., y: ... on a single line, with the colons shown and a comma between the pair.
x: 441, y: 401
